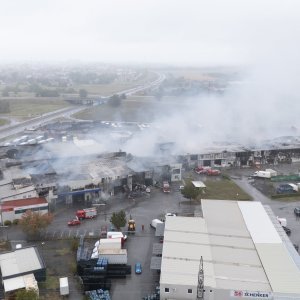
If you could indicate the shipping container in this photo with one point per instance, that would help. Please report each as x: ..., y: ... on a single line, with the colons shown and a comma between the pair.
x: 114, y: 256
x: 111, y: 243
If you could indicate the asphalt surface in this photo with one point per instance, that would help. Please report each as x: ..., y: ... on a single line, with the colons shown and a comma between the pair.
x: 139, y: 245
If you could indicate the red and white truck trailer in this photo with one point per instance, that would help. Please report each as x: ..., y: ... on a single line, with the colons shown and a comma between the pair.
x: 86, y: 213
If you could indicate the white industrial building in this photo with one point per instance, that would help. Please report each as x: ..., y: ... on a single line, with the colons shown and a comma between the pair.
x: 238, y: 250
x: 21, y: 269
x: 14, y: 209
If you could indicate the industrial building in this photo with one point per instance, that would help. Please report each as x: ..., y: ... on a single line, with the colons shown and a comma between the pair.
x: 12, y: 210
x: 22, y: 268
x: 78, y: 170
x: 286, y: 151
x: 16, y: 184
x: 238, y: 250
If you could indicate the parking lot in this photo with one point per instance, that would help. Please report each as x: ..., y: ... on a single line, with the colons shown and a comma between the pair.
x: 139, y: 245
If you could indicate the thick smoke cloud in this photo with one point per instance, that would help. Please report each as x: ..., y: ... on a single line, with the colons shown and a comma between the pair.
x: 261, y: 37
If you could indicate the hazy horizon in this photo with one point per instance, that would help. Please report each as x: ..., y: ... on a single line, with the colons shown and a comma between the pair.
x: 193, y: 33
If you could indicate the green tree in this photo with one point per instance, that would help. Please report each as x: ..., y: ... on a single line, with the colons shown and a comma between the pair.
x: 32, y: 223
x: 190, y: 191
x: 83, y: 93
x: 29, y: 294
x: 118, y: 219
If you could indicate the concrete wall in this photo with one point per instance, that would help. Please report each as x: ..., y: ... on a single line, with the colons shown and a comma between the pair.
x: 178, y: 292
x: 176, y: 172
x: 12, y: 215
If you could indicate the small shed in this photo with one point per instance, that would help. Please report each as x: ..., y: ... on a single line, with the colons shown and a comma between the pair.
x: 64, y: 286
x: 199, y: 184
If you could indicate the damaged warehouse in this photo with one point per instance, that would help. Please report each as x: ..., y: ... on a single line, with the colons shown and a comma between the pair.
x: 67, y: 173
x: 79, y: 171
x: 237, y: 156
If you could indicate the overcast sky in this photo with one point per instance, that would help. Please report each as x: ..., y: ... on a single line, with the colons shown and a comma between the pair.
x: 141, y: 31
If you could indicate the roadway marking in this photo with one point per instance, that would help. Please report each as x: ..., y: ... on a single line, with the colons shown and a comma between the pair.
x: 53, y: 234
x: 69, y: 233
x: 62, y: 233
x: 76, y: 233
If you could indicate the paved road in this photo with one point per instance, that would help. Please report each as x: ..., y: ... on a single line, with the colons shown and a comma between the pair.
x: 36, y: 122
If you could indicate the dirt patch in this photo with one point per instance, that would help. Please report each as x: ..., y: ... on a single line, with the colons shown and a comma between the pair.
x: 5, y: 246
x: 60, y: 260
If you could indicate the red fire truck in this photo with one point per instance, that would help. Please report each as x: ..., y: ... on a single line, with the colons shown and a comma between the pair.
x: 86, y: 213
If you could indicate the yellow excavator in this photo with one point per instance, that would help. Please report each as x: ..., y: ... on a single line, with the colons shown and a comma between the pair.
x: 131, y: 226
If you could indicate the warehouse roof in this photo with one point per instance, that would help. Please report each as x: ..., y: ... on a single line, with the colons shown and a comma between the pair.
x: 20, y: 262
x: 282, y: 271
x: 8, y: 191
x: 25, y: 281
x: 240, y: 247
x: 180, y: 266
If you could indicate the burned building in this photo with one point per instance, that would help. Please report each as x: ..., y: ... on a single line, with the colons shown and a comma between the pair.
x: 273, y: 152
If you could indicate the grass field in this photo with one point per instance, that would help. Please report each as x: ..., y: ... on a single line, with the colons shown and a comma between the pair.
x: 128, y: 111
x: 28, y: 108
x: 192, y: 74
x: 104, y: 89
x: 133, y: 109
x: 221, y: 188
x: 224, y: 189
x: 117, y: 86
x: 3, y: 122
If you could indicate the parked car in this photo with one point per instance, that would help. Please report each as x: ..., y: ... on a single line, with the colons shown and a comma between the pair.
x: 213, y: 172
x: 170, y: 215
x: 287, y: 230
x: 297, y: 211
x: 285, y: 189
x: 74, y: 222
x: 138, y: 268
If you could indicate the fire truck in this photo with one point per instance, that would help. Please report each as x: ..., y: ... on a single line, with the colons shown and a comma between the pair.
x: 86, y: 213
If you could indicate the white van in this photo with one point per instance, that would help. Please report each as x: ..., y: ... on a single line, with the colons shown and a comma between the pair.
x: 154, y: 223
x: 116, y: 234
